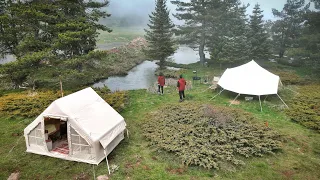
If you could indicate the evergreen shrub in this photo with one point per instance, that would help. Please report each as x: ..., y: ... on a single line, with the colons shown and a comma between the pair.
x: 209, y: 136
x: 305, y: 107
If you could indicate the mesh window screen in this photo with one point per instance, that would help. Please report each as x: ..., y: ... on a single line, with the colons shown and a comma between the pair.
x: 79, y: 144
x: 36, y: 137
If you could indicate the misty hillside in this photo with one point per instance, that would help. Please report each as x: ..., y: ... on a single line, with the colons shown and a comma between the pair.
x: 128, y: 12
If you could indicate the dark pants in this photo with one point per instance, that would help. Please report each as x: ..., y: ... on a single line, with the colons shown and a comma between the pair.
x: 181, y: 94
x: 160, y: 87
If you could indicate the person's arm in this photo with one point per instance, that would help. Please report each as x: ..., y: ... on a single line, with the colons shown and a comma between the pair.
x: 178, y: 85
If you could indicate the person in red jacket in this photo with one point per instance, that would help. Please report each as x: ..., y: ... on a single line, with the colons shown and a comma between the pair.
x: 161, y: 83
x: 181, y: 87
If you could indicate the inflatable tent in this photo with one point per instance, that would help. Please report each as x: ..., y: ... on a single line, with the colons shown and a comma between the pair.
x: 79, y: 127
x: 251, y: 79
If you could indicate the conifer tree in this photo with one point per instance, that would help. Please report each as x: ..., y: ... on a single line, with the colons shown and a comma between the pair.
x: 257, y: 36
x: 234, y: 36
x: 287, y: 29
x: 196, y: 15
x: 68, y: 27
x: 35, y: 29
x: 160, y: 35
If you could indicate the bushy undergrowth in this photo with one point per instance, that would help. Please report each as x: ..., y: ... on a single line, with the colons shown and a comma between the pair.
x: 27, y: 103
x: 168, y: 73
x: 209, y: 136
x: 305, y: 107
x: 117, y: 99
x: 31, y: 104
x: 289, y: 78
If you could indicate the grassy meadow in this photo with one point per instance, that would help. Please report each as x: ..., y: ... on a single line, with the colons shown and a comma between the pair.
x: 120, y: 34
x: 299, y: 157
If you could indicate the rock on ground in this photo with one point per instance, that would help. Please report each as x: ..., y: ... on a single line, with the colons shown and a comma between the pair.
x: 14, y: 176
x: 103, y: 177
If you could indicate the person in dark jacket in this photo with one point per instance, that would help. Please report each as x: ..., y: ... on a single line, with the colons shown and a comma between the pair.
x: 181, y: 87
x: 161, y: 82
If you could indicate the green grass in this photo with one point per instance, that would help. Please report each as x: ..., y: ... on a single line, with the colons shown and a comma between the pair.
x: 298, y: 159
x: 120, y: 35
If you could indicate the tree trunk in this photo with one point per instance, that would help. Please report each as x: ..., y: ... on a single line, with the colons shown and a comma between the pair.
x: 201, y: 49
x: 281, y: 52
x: 161, y: 64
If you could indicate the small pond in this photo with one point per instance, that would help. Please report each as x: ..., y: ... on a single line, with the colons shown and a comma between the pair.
x: 142, y: 76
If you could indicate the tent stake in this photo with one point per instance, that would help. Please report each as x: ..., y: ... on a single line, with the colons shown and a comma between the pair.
x: 107, y: 161
x: 216, y: 94
x: 94, y: 173
x: 265, y: 98
x: 282, y: 101
x: 260, y: 104
x: 127, y: 133
x: 234, y: 99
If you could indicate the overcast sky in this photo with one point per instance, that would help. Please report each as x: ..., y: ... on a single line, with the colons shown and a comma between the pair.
x: 145, y: 7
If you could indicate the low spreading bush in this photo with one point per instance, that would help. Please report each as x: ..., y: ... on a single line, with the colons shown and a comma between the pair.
x: 27, y: 103
x: 209, y: 136
x: 305, y: 107
x: 289, y: 78
x: 31, y: 104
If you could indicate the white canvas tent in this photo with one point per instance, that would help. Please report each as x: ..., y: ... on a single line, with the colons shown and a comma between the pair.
x: 251, y: 79
x: 79, y: 127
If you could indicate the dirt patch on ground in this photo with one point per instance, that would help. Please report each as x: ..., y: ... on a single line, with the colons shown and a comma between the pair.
x: 288, y: 174
x: 81, y: 176
x: 234, y: 102
x: 179, y: 171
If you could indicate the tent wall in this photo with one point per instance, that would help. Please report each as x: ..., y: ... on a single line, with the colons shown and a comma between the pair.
x: 100, y: 150
x: 115, y: 142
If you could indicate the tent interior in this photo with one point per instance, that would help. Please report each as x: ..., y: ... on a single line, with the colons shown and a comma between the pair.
x: 56, y: 135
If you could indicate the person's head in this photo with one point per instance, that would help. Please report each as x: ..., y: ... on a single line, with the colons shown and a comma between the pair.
x: 160, y: 74
x: 180, y: 76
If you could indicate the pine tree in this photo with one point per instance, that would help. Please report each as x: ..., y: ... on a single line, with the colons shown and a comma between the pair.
x: 234, y: 35
x: 76, y: 29
x: 67, y: 27
x: 257, y: 36
x: 228, y: 40
x: 197, y: 15
x: 160, y: 35
x: 288, y: 28
x: 36, y: 29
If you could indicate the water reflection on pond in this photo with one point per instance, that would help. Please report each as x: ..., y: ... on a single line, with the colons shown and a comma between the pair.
x: 140, y: 77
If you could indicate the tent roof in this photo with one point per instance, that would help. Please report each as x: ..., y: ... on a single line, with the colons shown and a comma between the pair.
x: 88, y: 111
x: 249, y: 78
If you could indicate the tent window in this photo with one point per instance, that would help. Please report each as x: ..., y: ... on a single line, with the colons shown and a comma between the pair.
x: 36, y: 137
x: 79, y: 144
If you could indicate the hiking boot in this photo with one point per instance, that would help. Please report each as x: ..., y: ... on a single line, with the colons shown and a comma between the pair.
x: 180, y: 100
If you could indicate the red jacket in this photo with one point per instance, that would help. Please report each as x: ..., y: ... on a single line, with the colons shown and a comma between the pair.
x: 161, y: 80
x: 181, y: 84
